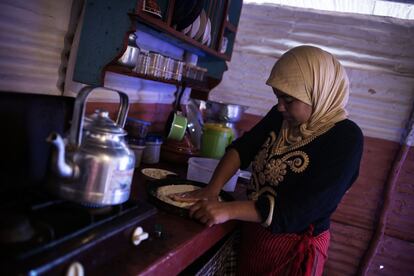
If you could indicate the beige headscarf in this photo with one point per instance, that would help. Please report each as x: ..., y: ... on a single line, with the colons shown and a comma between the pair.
x: 314, y: 77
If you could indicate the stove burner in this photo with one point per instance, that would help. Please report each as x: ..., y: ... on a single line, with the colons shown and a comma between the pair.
x: 19, y: 234
x: 42, y: 233
x: 15, y: 228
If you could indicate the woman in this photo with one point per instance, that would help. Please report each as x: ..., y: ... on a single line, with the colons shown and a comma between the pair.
x: 305, y: 154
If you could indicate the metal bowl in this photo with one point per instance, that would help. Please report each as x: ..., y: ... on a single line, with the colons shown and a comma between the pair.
x: 224, y: 112
x: 130, y: 56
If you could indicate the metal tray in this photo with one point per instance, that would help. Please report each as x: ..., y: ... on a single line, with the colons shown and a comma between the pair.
x: 152, y: 187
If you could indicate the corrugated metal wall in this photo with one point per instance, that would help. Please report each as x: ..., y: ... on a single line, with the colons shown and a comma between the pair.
x: 34, y: 42
x: 377, y: 52
x: 379, y: 57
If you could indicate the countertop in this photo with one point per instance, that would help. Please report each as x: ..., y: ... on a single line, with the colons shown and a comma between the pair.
x: 183, y: 240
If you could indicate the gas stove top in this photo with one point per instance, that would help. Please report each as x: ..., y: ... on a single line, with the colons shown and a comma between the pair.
x: 39, y: 232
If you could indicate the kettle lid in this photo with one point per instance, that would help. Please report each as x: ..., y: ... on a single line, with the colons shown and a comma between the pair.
x: 100, y: 122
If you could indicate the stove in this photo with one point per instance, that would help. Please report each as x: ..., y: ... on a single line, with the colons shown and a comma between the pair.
x: 40, y: 234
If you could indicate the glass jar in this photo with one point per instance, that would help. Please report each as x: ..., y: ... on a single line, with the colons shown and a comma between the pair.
x: 142, y: 63
x: 200, y: 73
x: 156, y: 62
x: 177, y: 72
x: 167, y: 71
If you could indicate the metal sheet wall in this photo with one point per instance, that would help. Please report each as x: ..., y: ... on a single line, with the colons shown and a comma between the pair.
x: 378, y: 56
x: 34, y: 41
x: 376, y: 51
x: 395, y: 257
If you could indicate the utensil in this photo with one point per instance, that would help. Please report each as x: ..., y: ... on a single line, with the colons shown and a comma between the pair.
x: 176, y: 124
x: 130, y: 56
x: 195, y: 123
x: 224, y: 112
x: 96, y: 166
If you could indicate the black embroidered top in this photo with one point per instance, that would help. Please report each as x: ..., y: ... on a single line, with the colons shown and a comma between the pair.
x: 305, y: 184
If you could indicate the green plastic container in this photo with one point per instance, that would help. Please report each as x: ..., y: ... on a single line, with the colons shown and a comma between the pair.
x: 215, y: 139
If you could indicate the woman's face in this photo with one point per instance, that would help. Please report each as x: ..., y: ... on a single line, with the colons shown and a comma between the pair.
x: 293, y: 110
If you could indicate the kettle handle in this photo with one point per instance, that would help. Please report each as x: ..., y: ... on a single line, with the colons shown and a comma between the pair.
x: 79, y: 112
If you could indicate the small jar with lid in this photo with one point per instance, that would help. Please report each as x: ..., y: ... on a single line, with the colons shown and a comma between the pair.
x: 152, y: 149
x: 138, y: 147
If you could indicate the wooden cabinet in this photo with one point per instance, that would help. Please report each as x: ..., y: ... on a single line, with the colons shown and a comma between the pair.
x: 107, y: 24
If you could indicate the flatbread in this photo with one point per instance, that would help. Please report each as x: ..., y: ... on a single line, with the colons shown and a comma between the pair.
x: 156, y: 173
x: 164, y: 192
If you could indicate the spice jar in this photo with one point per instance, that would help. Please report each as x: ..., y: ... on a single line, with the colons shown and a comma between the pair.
x: 156, y: 62
x: 178, y: 70
x: 142, y: 63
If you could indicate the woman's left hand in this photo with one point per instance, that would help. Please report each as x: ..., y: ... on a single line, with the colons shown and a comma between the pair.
x: 211, y: 212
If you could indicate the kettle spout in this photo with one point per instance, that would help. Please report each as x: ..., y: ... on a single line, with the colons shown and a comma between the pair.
x: 58, y: 162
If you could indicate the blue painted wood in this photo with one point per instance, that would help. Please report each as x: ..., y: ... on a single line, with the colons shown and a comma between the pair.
x: 215, y: 67
x: 103, y: 37
x: 235, y: 11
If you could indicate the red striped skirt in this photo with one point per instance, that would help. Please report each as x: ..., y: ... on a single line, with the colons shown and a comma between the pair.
x: 264, y: 253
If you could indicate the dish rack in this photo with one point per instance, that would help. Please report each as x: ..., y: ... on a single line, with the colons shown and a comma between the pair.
x: 224, y: 260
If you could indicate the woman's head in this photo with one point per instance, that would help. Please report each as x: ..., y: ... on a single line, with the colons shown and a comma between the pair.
x: 315, y: 82
x: 293, y: 110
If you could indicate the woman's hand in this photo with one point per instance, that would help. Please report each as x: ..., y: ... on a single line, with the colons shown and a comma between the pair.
x: 211, y: 212
x: 205, y: 193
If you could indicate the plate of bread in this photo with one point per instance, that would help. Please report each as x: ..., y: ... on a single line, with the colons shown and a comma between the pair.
x: 161, y: 194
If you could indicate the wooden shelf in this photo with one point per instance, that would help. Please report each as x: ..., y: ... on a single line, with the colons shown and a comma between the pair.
x: 173, y: 35
x: 194, y: 84
x: 230, y: 27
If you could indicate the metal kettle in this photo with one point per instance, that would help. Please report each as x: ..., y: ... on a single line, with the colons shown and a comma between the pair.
x: 95, y: 166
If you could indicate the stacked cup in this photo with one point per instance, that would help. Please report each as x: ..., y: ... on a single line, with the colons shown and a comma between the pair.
x: 137, y: 132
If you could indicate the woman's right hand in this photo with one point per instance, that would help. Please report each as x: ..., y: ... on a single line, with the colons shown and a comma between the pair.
x: 205, y: 193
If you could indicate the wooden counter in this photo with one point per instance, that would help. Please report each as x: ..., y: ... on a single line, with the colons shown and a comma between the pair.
x: 182, y: 240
